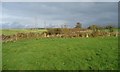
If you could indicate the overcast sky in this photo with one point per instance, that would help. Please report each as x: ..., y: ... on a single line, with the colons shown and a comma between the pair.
x: 51, y: 14
x: 59, y: 0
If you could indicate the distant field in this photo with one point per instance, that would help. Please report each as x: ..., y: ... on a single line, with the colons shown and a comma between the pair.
x: 61, y: 54
x: 14, y: 31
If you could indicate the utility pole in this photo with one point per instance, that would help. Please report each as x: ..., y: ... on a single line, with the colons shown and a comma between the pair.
x: 9, y: 26
x: 45, y: 24
x: 35, y: 24
x: 65, y: 25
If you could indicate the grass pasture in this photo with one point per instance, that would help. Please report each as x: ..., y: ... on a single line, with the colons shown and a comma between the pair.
x: 61, y: 54
x: 14, y: 31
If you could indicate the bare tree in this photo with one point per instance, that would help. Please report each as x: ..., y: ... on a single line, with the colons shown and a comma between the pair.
x: 78, y: 25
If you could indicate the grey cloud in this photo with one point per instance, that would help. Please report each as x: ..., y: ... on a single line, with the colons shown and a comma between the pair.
x: 71, y: 12
x: 12, y: 25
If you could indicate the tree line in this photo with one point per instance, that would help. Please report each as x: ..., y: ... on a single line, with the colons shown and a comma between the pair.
x: 96, y: 27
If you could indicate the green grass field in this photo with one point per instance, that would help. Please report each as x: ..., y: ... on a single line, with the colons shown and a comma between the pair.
x: 14, y: 31
x: 61, y: 54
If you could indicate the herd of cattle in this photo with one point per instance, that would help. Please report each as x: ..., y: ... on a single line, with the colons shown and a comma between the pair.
x: 60, y: 33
